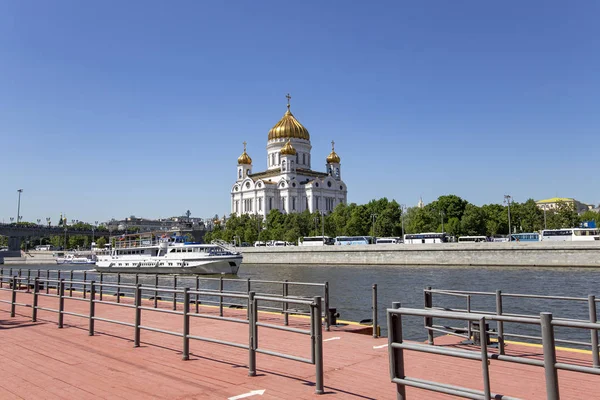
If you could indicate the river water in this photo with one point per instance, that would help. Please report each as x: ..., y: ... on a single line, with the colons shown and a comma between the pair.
x: 351, y: 289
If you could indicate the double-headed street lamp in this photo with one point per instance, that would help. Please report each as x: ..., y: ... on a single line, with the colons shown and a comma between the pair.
x: 48, y: 221
x: 402, y: 208
x: 507, y: 199
x: 19, y: 206
x: 373, y: 216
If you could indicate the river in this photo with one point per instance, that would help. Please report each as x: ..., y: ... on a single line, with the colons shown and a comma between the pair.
x: 351, y: 289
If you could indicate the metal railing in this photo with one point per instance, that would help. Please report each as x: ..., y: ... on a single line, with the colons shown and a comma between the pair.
x: 396, y: 346
x: 500, y: 332
x: 15, y: 284
x: 260, y: 287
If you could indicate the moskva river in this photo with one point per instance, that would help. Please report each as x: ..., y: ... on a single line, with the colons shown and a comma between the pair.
x: 351, y: 289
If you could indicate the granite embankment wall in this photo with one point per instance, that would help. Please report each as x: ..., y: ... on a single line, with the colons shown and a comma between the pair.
x: 541, y: 254
x: 31, y: 257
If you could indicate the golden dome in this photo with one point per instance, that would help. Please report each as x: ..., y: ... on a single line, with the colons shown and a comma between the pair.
x: 333, y: 158
x: 288, y: 149
x: 288, y: 127
x: 244, y: 158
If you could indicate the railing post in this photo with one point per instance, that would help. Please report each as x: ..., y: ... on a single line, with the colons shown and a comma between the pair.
x: 284, y: 305
x: 485, y: 368
x: 61, y: 302
x: 469, y: 323
x: 28, y: 279
x: 92, y: 307
x: 327, y: 314
x: 318, y: 331
x: 186, y: 325
x: 500, y: 324
x: 101, y: 286
x: 1, y: 277
x: 396, y: 356
x: 71, y: 284
x: 13, y: 298
x: 248, y: 284
x: 36, y: 289
x: 137, y: 279
x: 251, y: 338
x: 549, y: 356
x: 197, y: 290
x: 118, y: 287
x: 594, y: 332
x: 47, y: 281
x: 221, y: 297
x: 374, y: 309
x: 84, y: 285
x: 138, y: 315
x: 428, y: 320
x: 174, y: 294
x: 156, y: 291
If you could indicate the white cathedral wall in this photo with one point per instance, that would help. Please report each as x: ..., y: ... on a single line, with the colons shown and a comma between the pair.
x: 302, y: 147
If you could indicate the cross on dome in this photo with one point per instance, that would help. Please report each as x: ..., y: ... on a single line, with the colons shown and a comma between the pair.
x: 288, y: 97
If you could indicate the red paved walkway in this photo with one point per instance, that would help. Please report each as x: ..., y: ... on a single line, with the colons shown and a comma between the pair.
x: 39, y: 361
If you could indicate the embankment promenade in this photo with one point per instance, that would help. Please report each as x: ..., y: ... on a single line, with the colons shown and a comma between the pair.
x: 539, y: 254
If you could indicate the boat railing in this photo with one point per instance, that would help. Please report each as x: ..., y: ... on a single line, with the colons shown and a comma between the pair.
x: 224, y: 245
x: 36, y: 300
x: 129, y: 243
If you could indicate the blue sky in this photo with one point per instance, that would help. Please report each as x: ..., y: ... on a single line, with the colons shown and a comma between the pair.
x: 114, y: 108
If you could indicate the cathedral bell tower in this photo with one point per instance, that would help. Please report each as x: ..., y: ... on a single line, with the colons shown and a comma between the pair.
x: 333, y: 164
x: 244, y: 165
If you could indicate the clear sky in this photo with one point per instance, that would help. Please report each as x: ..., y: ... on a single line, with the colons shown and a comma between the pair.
x: 114, y: 108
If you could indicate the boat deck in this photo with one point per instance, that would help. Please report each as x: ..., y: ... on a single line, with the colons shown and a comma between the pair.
x: 40, y: 361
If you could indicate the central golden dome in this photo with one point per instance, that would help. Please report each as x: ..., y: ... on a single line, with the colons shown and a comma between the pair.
x: 288, y: 127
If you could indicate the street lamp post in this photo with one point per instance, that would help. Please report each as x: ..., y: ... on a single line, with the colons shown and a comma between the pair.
x: 545, y: 217
x: 323, y: 226
x: 19, y: 205
x: 373, y: 219
x: 402, y: 208
x: 38, y: 221
x: 48, y: 221
x: 507, y: 198
x: 442, y: 214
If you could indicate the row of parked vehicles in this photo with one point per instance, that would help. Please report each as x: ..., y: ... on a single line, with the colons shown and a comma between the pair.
x: 556, y: 235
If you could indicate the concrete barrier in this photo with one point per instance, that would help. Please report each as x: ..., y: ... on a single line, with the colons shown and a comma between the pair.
x: 541, y: 254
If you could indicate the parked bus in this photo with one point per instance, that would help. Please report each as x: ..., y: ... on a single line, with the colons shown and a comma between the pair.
x: 315, y: 241
x: 472, y: 239
x: 422, y: 238
x: 350, y: 240
x: 525, y: 237
x: 388, y: 240
x: 571, y: 234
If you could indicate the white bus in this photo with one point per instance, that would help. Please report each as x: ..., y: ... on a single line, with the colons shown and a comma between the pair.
x: 423, y: 238
x: 388, y: 240
x: 571, y: 234
x: 315, y: 241
x: 472, y: 239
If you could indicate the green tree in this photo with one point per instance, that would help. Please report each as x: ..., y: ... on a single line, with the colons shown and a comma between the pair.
x: 473, y: 221
x: 101, y: 242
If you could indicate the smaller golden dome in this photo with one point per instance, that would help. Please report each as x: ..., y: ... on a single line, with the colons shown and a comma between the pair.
x: 244, y: 158
x: 288, y: 149
x: 333, y: 158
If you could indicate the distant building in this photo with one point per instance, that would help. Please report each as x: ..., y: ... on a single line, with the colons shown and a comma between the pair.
x: 420, y: 204
x: 552, y: 204
x: 161, y: 224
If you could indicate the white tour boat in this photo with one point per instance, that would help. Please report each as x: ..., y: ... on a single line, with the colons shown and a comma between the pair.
x: 76, y: 259
x: 161, y: 253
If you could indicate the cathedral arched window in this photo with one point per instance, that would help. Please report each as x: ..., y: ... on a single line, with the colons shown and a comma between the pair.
x: 240, y: 173
x: 283, y: 165
x: 273, y: 159
x: 297, y: 156
x: 337, y: 172
x: 292, y: 165
x: 304, y: 158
